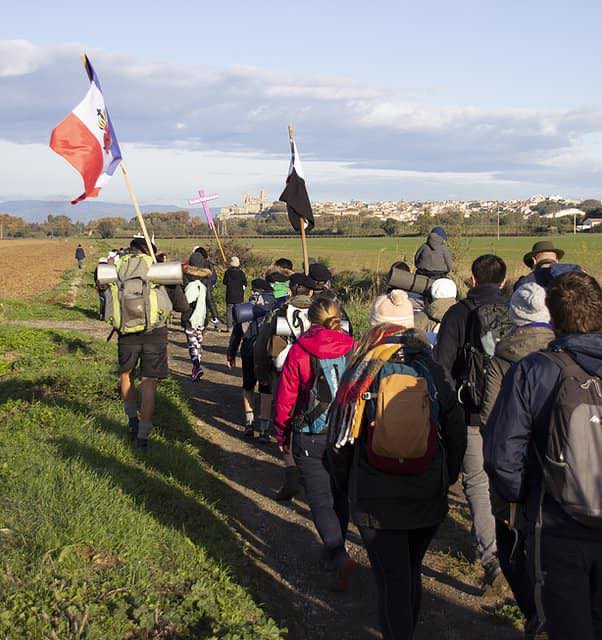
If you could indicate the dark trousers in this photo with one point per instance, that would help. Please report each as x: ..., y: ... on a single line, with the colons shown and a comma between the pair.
x: 396, y: 557
x: 516, y: 571
x: 230, y: 316
x: 329, y: 506
x: 572, y: 590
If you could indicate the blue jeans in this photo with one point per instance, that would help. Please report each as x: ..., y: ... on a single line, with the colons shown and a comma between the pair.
x: 329, y: 506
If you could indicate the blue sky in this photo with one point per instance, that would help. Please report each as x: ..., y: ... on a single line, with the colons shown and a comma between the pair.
x: 390, y: 99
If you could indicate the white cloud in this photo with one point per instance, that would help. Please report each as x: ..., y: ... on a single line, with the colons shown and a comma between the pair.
x: 232, y: 122
x: 19, y: 57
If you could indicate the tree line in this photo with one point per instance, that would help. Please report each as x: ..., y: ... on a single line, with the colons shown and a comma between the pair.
x: 182, y: 224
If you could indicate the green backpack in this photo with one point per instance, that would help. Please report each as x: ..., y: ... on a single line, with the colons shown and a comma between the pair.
x: 133, y: 303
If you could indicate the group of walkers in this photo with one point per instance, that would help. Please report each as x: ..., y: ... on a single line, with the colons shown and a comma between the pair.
x: 502, y: 389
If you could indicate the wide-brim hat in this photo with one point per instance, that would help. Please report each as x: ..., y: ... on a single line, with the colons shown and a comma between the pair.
x: 540, y: 247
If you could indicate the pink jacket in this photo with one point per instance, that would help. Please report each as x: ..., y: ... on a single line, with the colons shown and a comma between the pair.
x: 297, y: 376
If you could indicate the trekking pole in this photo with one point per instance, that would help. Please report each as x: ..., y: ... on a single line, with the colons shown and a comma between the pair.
x: 128, y: 184
x: 291, y: 137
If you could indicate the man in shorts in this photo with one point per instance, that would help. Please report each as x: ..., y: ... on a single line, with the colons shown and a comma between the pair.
x: 149, y: 350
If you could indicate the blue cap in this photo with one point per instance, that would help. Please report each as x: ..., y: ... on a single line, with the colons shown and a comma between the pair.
x: 440, y: 231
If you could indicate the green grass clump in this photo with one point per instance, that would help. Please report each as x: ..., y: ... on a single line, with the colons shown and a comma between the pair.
x: 97, y: 539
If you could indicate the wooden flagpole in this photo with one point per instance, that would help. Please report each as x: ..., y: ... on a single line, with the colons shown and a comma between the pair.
x: 219, y: 244
x: 128, y: 184
x: 291, y: 137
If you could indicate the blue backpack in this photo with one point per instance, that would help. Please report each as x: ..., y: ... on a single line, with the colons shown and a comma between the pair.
x: 327, y: 376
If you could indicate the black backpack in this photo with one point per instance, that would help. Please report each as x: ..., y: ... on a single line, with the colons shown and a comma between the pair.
x: 572, y: 460
x: 487, y: 324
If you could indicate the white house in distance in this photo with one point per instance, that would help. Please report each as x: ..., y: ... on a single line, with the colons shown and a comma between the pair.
x: 592, y: 220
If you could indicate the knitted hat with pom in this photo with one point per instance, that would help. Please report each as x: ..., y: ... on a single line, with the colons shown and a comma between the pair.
x: 393, y: 308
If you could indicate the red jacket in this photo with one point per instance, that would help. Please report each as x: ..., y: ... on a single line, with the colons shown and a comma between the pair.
x: 297, y: 376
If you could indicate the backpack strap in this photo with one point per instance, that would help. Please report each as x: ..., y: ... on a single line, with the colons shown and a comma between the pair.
x: 472, y: 307
x: 566, y: 362
x: 310, y: 416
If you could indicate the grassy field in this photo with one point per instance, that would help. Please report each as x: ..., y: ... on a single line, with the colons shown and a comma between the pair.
x: 354, y: 254
x: 97, y: 540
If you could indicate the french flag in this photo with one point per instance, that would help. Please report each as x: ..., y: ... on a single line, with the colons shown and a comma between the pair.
x: 86, y: 139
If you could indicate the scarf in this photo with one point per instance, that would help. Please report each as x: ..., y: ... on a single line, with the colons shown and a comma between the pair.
x: 347, y: 410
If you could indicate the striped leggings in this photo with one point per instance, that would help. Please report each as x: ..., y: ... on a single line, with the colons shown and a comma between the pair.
x: 195, y: 343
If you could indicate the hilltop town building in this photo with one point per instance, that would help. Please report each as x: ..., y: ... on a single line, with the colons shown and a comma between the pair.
x: 251, y: 206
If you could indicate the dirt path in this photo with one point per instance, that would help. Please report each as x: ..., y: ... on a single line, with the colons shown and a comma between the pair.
x: 74, y: 287
x: 281, y: 541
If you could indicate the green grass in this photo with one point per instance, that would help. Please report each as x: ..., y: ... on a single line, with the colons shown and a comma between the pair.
x: 354, y: 254
x: 98, y: 540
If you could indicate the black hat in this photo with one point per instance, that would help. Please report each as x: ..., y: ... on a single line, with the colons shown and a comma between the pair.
x: 276, y: 276
x: 259, y: 284
x: 540, y: 247
x: 138, y: 243
x: 197, y: 260
x: 319, y: 272
x: 301, y: 280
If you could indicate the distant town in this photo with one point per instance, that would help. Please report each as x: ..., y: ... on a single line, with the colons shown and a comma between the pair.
x: 258, y: 215
x: 588, y: 212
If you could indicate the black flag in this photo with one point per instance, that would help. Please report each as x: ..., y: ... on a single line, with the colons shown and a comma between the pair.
x: 295, y: 194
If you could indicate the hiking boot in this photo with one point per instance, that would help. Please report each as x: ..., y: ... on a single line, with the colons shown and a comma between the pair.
x: 133, y: 424
x: 493, y: 580
x: 264, y: 431
x: 218, y: 325
x: 264, y: 437
x: 141, y: 443
x: 249, y: 431
x: 343, y: 577
x: 197, y: 372
x: 533, y: 632
x: 290, y: 487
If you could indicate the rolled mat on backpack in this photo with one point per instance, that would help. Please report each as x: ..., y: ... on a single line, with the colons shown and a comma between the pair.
x: 407, y: 281
x: 247, y: 312
x: 284, y: 329
x: 164, y: 273
x: 106, y: 274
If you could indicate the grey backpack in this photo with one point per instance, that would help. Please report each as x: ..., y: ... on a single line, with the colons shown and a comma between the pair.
x: 572, y: 462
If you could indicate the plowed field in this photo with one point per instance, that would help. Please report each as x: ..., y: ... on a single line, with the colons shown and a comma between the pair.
x: 33, y: 266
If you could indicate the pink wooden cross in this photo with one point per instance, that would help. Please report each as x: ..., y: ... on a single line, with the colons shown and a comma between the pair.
x: 203, y: 199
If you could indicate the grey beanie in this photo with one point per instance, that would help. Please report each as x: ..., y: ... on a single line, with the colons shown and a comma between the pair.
x: 528, y: 304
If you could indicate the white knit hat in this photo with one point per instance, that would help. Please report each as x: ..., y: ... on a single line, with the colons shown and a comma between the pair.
x: 393, y: 308
x: 234, y: 261
x: 443, y: 288
x: 528, y: 304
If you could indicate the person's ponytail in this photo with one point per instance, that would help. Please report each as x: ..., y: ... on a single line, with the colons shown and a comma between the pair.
x: 326, y: 313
